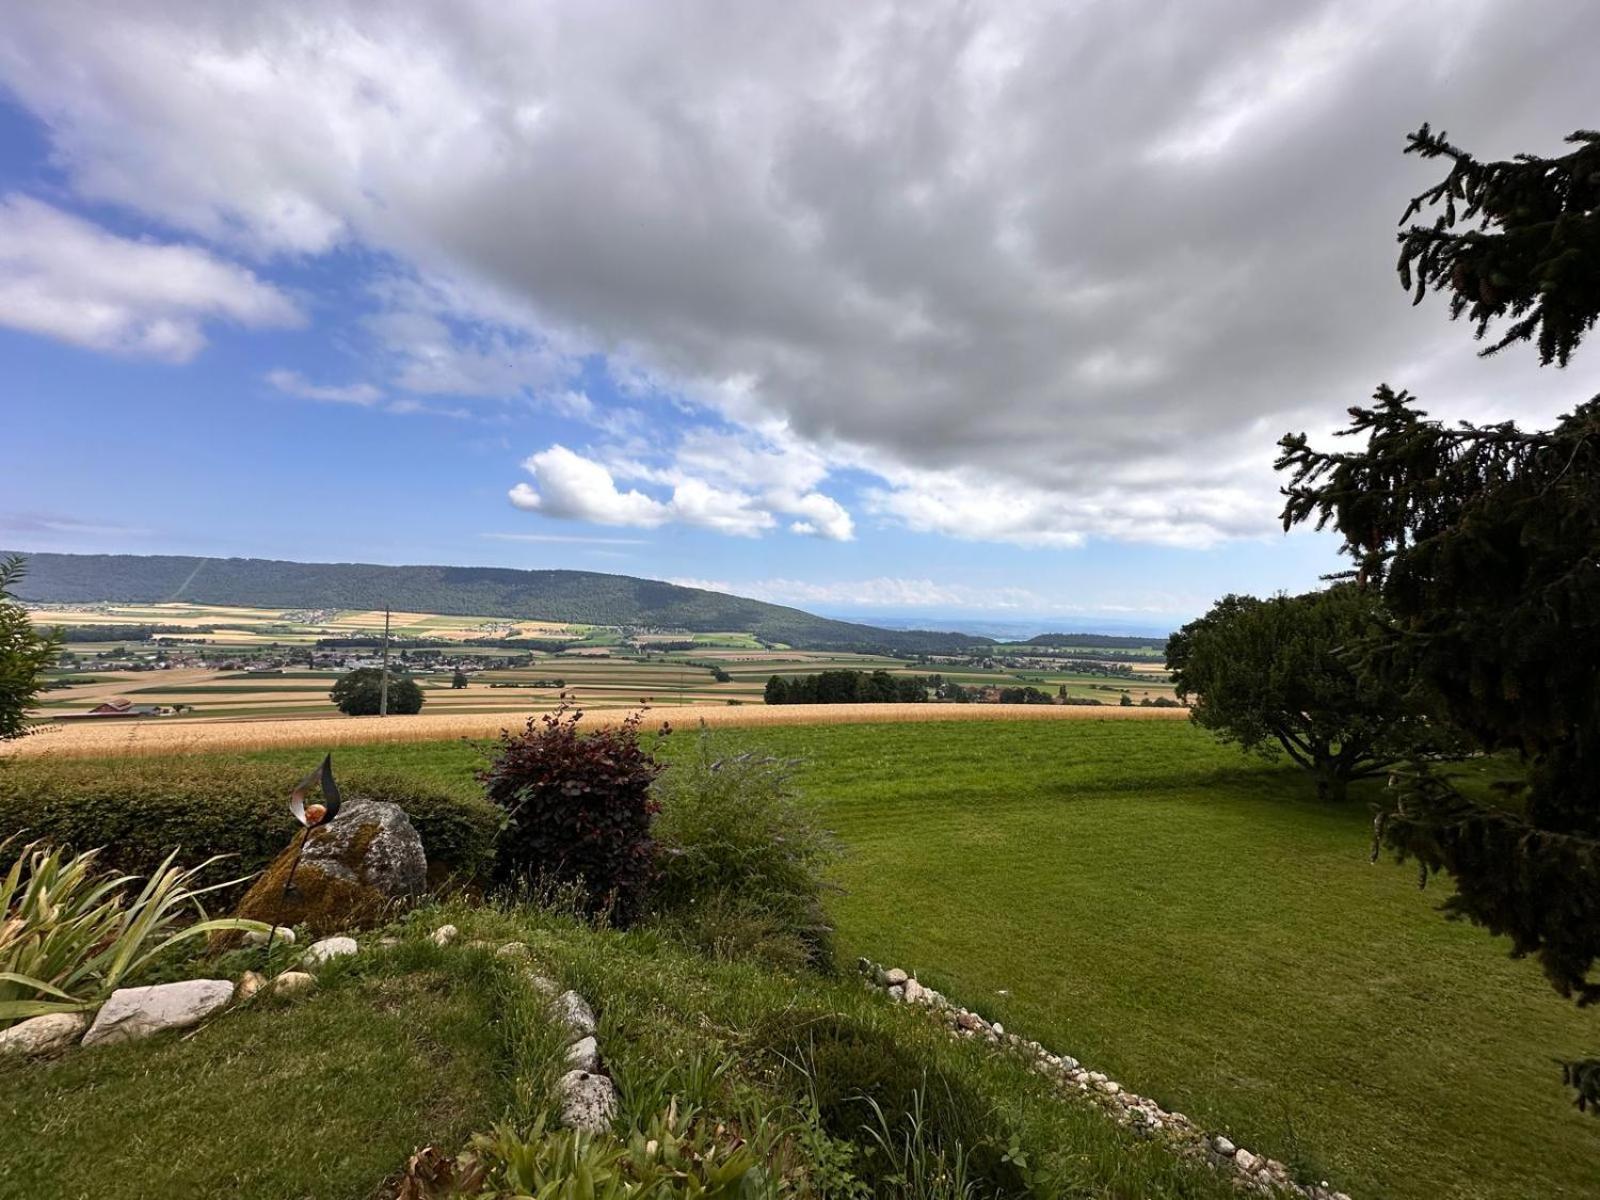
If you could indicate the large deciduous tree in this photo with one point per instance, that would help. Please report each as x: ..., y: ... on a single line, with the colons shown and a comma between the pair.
x: 1280, y: 675
x: 1484, y: 544
x: 360, y: 693
x: 25, y: 652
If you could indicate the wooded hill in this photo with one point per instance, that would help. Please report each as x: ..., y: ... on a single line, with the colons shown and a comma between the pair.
x: 579, y: 597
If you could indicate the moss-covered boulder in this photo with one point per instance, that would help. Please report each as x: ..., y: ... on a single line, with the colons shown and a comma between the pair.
x: 356, y: 872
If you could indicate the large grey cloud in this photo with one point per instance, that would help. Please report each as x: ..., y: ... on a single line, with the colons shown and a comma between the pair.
x: 1049, y: 271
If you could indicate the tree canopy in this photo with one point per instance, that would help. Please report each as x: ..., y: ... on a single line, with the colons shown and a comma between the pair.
x: 1280, y: 676
x: 1484, y: 544
x: 358, y: 694
x: 25, y: 652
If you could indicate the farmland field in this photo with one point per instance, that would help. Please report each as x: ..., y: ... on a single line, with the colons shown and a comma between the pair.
x: 1194, y: 924
x: 253, y: 664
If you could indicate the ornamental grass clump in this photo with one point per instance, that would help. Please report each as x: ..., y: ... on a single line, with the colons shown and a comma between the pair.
x: 743, y: 857
x: 70, y: 933
x: 576, y: 809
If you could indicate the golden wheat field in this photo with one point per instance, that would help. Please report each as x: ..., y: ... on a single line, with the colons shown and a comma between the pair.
x: 179, y: 737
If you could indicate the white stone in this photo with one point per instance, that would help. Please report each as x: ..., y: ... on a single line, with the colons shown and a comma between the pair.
x: 1244, y: 1160
x: 573, y: 1011
x: 249, y: 984
x: 328, y: 948
x: 43, y: 1035
x: 1223, y: 1146
x: 999, y: 1029
x: 588, y: 1101
x: 291, y: 982
x: 516, y: 950
x: 445, y: 934
x: 285, y: 937
x: 897, y: 993
x: 915, y: 993
x: 133, y: 1013
x: 544, y: 985
x: 584, y: 1055
x: 1110, y: 1087
x: 894, y: 976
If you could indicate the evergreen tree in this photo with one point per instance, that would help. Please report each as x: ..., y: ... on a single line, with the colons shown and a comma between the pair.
x: 1484, y: 544
x: 24, y: 653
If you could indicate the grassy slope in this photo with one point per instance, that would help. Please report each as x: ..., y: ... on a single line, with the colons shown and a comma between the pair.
x: 328, y: 1096
x: 1195, y: 925
x: 326, y: 1099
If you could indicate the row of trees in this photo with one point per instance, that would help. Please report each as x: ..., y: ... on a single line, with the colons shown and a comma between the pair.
x: 1470, y: 616
x: 847, y: 687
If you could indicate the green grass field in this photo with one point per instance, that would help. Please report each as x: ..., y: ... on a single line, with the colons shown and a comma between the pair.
x: 1194, y: 924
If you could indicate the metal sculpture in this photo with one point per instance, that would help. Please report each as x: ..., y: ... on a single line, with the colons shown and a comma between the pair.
x: 310, y: 816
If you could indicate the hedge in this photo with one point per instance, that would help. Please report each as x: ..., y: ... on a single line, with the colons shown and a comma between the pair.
x: 139, y: 808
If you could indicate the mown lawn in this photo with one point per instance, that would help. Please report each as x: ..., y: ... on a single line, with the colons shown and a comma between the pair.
x: 1196, y: 925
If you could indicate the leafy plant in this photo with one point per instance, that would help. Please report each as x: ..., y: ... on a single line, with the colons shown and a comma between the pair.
x: 679, y: 1153
x: 71, y: 933
x: 577, y: 807
x: 741, y: 853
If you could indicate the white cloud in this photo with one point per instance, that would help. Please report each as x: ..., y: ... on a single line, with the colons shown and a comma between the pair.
x: 295, y: 384
x: 1052, y: 272
x: 579, y: 489
x: 66, y: 278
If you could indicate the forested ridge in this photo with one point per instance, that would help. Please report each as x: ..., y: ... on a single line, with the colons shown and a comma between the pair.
x: 580, y: 597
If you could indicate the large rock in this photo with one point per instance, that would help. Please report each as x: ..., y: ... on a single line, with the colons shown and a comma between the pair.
x: 43, y: 1035
x: 355, y: 873
x: 588, y: 1101
x: 138, y: 1012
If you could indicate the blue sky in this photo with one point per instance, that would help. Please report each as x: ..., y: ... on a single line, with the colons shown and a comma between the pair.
x: 987, y: 333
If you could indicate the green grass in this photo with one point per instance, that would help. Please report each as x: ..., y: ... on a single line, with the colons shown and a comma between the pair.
x: 327, y: 1096
x: 324, y: 1098
x: 1194, y: 924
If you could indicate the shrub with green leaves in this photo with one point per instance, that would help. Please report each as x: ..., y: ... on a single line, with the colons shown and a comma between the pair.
x: 71, y: 932
x: 742, y: 856
x: 141, y: 809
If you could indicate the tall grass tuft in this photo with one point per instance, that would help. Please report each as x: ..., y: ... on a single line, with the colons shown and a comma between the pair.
x: 743, y: 857
x: 71, y: 933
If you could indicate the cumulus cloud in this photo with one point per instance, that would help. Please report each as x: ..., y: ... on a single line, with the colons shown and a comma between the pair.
x: 66, y: 278
x: 572, y: 487
x: 295, y: 384
x: 1050, y: 272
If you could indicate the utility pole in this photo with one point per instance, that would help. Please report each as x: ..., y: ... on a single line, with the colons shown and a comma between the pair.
x: 383, y: 686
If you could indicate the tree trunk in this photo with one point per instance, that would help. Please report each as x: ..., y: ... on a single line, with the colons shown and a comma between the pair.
x: 1333, y: 782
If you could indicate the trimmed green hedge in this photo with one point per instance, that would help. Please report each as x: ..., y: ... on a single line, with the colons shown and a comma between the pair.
x: 139, y: 808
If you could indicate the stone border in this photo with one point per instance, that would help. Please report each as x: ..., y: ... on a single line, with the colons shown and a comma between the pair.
x: 1248, y: 1172
x: 587, y: 1096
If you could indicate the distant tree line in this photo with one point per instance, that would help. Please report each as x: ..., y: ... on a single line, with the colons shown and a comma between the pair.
x: 848, y: 687
x: 127, y: 633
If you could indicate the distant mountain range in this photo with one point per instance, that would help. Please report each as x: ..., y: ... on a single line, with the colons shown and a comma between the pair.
x: 578, y: 597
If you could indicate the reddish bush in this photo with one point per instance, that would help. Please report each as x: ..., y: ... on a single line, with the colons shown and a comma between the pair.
x: 577, y: 809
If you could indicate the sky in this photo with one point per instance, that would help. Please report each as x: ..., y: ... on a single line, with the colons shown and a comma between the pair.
x: 907, y: 310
